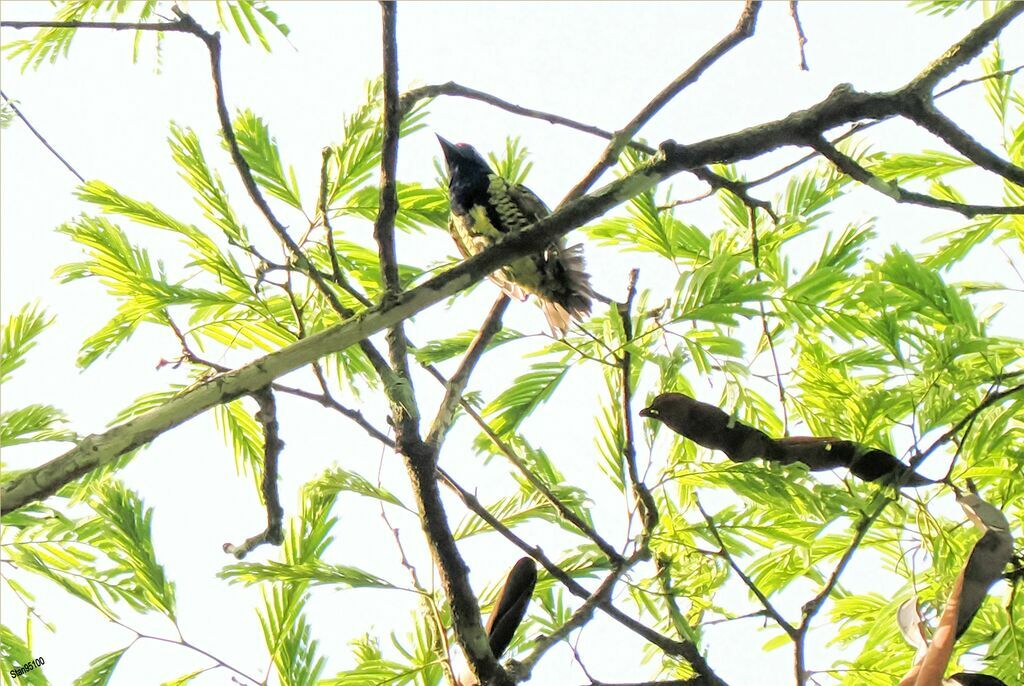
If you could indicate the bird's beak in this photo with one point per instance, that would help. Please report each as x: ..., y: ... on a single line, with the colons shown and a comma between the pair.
x: 450, y: 151
x: 649, y: 412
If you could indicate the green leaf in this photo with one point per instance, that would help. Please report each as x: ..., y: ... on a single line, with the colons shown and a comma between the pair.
x: 210, y: 193
x: 315, y: 572
x: 32, y: 424
x: 18, y: 337
x: 128, y: 529
x: 447, y: 348
x: 101, y: 669
x: 526, y: 393
x: 336, y: 480
x: 260, y: 151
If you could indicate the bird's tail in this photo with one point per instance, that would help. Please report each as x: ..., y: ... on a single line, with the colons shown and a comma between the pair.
x: 569, y: 292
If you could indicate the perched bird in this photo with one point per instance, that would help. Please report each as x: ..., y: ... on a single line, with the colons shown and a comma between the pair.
x: 509, y: 610
x: 710, y: 427
x: 864, y: 462
x: 713, y: 428
x: 485, y: 208
x: 989, y: 557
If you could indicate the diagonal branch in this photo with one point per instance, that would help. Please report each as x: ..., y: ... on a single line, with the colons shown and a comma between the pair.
x: 969, y: 47
x: 891, y: 189
x: 812, y: 607
x: 684, y: 649
x: 24, y: 119
x: 801, y: 37
x: 929, y: 117
x: 744, y: 29
x: 747, y: 581
x: 457, y: 384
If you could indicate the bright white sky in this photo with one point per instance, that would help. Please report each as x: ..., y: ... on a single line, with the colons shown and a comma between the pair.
x: 596, y: 62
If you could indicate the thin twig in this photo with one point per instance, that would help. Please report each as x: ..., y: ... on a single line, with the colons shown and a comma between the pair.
x: 648, y: 508
x: 185, y: 644
x: 272, y: 447
x: 801, y: 37
x: 14, y: 108
x: 755, y: 249
x: 812, y: 607
x: 1002, y: 73
x: 339, y: 276
x: 989, y: 400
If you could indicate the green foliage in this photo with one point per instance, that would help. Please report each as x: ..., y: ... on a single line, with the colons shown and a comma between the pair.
x: 18, y: 337
x: 526, y: 393
x: 814, y: 324
x: 15, y: 652
x: 260, y: 151
x: 31, y: 424
x: 101, y: 669
x: 51, y: 43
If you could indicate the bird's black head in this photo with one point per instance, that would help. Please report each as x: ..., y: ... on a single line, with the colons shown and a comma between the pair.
x: 468, y: 175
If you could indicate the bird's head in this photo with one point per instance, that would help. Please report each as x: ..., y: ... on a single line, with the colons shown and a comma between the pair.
x: 671, y: 403
x: 462, y: 160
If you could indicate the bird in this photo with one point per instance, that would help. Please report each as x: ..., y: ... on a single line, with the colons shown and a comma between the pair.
x: 971, y: 679
x: 507, y: 615
x: 991, y: 554
x: 867, y: 463
x: 711, y: 427
x: 485, y: 208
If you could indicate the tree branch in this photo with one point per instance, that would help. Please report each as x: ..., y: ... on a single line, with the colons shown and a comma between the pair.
x: 457, y: 384
x: 744, y: 29
x: 812, y: 607
x: 648, y: 508
x: 683, y: 649
x: 801, y: 37
x: 14, y: 108
x: 891, y: 189
x: 929, y: 117
x: 790, y: 630
x: 272, y: 447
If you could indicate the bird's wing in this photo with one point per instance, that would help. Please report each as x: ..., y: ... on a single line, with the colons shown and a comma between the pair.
x: 515, y: 207
x: 530, y: 205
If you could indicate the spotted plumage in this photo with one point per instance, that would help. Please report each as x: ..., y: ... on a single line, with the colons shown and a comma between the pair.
x: 485, y: 208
